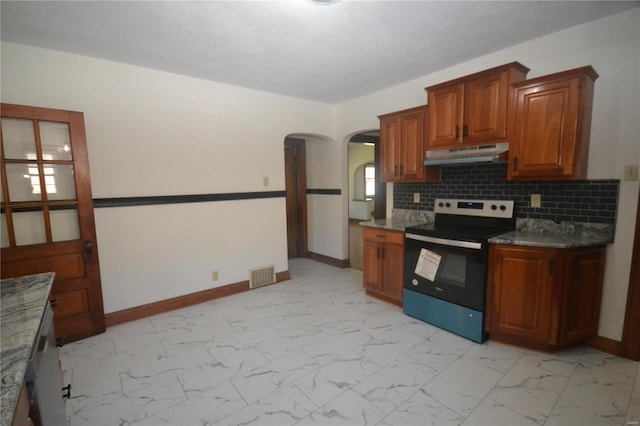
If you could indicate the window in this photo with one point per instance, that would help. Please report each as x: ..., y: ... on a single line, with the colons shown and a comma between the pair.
x: 369, y: 181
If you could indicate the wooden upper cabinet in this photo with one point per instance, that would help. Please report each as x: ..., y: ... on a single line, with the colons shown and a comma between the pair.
x: 402, y: 146
x: 472, y: 109
x: 390, y: 147
x: 549, y: 126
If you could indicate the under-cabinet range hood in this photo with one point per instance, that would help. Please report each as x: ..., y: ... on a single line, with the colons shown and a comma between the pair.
x: 467, y: 154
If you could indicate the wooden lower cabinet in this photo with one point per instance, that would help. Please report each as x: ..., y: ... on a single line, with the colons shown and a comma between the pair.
x: 383, y: 264
x: 544, y: 298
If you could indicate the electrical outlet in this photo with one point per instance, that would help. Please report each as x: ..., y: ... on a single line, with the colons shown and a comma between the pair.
x: 214, y: 276
x: 265, y: 181
x: 536, y: 201
x: 416, y: 197
x: 631, y: 172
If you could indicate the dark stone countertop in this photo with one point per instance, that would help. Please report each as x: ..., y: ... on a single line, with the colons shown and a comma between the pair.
x: 546, y: 233
x: 23, y: 301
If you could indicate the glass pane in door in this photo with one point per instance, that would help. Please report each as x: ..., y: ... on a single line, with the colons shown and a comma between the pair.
x: 59, y: 181
x: 29, y: 227
x: 4, y: 232
x: 24, y: 182
x: 55, y: 141
x: 64, y: 224
x: 18, y: 139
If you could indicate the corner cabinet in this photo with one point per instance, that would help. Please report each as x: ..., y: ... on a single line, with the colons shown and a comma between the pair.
x: 549, y: 126
x: 472, y: 109
x: 383, y: 264
x: 402, y: 145
x: 544, y: 298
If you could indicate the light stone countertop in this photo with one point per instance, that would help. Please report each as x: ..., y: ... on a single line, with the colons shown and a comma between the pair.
x: 22, y: 301
x: 546, y: 233
x: 400, y: 219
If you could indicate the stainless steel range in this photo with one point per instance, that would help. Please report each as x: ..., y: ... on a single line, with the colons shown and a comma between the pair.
x: 445, y: 264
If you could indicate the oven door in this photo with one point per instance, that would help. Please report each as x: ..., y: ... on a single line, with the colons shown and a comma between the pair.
x: 451, y: 270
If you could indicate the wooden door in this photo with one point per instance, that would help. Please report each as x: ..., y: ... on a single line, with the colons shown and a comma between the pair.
x: 544, y: 122
x: 412, y: 134
x: 520, y: 292
x: 582, y: 293
x: 393, y: 271
x: 390, y: 147
x: 372, y: 265
x: 47, y: 213
x: 296, y: 198
x: 446, y: 109
x: 486, y: 109
x: 631, y: 330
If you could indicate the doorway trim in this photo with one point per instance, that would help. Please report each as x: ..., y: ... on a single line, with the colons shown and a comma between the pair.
x: 301, y: 170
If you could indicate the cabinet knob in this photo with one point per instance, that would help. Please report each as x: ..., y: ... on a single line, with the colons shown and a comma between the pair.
x: 54, y: 303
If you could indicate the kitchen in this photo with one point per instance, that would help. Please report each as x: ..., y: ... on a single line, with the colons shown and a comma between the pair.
x: 131, y: 150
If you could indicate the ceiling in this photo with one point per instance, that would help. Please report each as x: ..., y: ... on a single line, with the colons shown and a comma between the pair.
x: 327, y: 53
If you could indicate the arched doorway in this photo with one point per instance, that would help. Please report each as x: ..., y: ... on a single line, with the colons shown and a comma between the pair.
x: 367, y: 194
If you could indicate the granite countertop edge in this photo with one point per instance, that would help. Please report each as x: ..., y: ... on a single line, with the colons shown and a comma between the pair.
x: 400, y: 219
x: 544, y: 233
x: 23, y: 301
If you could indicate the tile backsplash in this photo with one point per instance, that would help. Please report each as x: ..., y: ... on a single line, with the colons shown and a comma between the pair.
x: 593, y: 201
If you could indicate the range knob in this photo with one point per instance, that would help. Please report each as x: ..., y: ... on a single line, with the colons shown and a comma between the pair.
x: 494, y: 207
x: 440, y: 204
x: 503, y: 207
x: 448, y: 204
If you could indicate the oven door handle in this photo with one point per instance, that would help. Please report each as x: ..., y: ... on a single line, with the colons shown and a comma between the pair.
x: 445, y: 242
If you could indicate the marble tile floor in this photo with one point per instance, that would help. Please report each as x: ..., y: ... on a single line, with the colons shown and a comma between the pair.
x: 316, y: 350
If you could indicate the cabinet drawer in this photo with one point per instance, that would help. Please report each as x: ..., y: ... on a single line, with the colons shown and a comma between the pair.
x: 392, y: 237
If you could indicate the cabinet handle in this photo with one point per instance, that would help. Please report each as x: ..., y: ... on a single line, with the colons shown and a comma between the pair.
x: 60, y: 341
x: 457, y: 132
x: 401, y: 169
x: 516, y: 160
x: 54, y: 303
x: 382, y: 251
x: 66, y: 391
x: 465, y: 131
x: 380, y: 236
x: 551, y: 266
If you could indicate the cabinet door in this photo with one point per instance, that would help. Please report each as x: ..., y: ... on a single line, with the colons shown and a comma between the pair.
x: 485, y: 105
x: 372, y: 265
x: 520, y: 295
x: 582, y: 294
x: 390, y: 148
x: 545, y: 121
x: 446, y: 108
x: 412, y: 133
x: 393, y: 271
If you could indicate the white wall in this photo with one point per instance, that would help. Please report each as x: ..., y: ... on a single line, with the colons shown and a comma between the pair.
x: 325, y: 220
x: 612, y: 46
x: 155, y: 133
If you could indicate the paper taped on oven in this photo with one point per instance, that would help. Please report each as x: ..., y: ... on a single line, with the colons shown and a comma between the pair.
x: 428, y: 264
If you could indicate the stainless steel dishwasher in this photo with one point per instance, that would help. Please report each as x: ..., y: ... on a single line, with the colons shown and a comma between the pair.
x: 43, y: 377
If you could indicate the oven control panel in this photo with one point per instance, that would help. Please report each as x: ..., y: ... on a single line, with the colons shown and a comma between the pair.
x: 480, y: 208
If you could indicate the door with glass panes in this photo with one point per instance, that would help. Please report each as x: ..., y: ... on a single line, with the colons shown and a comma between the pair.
x: 47, y: 213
